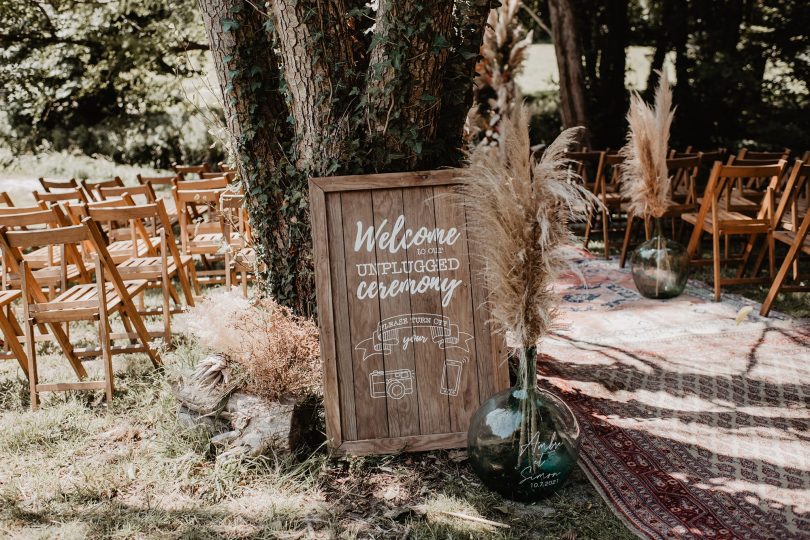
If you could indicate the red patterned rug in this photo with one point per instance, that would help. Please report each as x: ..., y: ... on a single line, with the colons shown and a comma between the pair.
x: 694, y: 426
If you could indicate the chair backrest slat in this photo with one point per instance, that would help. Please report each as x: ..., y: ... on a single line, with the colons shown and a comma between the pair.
x: 26, y: 219
x: 73, y: 234
x: 219, y: 182
x: 144, y: 190
x: 48, y: 185
x: 74, y: 194
x: 121, y: 213
x: 158, y: 180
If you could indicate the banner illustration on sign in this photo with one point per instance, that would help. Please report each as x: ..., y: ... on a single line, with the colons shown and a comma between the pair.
x: 443, y: 333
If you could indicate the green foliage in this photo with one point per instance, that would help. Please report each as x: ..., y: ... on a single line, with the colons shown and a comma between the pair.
x: 751, y: 73
x: 105, y: 77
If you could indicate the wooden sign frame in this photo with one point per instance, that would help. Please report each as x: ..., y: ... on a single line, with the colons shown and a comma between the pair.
x: 419, y: 336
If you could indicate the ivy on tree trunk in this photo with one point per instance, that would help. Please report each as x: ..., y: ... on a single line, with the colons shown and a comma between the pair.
x: 324, y: 87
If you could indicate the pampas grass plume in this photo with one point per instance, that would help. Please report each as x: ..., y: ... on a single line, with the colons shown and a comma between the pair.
x: 518, y: 212
x: 645, y: 181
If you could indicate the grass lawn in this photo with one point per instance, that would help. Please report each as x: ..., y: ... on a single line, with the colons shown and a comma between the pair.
x: 80, y: 469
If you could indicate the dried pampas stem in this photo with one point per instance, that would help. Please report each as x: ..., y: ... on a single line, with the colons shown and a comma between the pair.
x: 645, y: 181
x: 518, y: 211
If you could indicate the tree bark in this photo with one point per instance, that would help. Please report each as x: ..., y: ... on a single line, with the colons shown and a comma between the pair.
x: 312, y: 89
x: 569, y: 63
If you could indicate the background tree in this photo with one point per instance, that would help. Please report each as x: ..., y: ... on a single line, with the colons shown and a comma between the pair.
x: 106, y: 77
x: 316, y: 88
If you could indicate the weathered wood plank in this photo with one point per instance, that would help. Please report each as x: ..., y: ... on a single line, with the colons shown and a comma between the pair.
x: 462, y: 356
x: 323, y: 286
x: 387, y: 180
x: 395, y: 445
x: 434, y: 412
x: 364, y: 319
x: 398, y: 381
x: 340, y: 309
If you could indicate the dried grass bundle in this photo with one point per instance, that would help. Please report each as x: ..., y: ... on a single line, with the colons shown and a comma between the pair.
x: 503, y: 52
x: 645, y: 181
x: 519, y: 210
x: 278, y: 351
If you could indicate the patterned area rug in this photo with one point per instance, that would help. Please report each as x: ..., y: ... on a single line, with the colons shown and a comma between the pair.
x: 694, y: 426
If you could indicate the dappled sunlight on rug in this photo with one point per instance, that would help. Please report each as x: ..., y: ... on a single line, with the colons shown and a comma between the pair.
x: 694, y: 425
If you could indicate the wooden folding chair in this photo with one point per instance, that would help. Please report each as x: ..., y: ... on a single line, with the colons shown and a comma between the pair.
x: 48, y: 185
x: 199, y: 237
x: 95, y: 301
x: 607, y: 191
x: 52, y: 268
x: 91, y: 188
x: 791, y: 223
x: 146, y: 190
x: 683, y: 199
x: 746, y: 195
x: 715, y: 218
x: 240, y: 257
x: 123, y: 242
x: 73, y: 194
x: 158, y: 271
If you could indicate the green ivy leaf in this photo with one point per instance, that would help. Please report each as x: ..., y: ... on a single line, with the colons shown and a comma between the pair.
x: 229, y: 24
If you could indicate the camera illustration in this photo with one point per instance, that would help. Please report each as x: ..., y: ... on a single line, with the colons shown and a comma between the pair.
x: 394, y: 383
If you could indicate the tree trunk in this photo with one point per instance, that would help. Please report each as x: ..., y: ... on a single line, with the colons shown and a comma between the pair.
x: 610, y: 96
x: 313, y: 89
x: 569, y: 62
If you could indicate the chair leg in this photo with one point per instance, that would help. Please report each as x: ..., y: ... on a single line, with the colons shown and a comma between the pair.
x: 716, y: 264
x: 606, y: 233
x: 771, y: 255
x: 192, y: 271
x: 11, y: 331
x: 694, y: 242
x: 31, y: 352
x: 626, y: 244
x: 167, y: 315
x: 588, y: 227
x: 106, y: 353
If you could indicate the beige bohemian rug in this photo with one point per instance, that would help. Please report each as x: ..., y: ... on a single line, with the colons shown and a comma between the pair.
x: 694, y: 426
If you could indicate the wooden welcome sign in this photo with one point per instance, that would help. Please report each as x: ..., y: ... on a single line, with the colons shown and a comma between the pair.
x: 408, y: 354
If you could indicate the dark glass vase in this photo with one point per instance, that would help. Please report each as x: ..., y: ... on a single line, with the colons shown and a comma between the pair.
x: 660, y: 266
x: 523, y: 442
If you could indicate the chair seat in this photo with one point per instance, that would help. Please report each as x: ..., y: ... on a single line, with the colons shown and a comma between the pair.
x: 148, y: 267
x: 210, y: 243
x: 612, y: 200
x: 121, y: 250
x: 787, y: 219
x: 52, y: 275
x: 729, y: 222
x: 9, y: 296
x: 44, y: 256
x: 89, y: 292
x: 789, y: 237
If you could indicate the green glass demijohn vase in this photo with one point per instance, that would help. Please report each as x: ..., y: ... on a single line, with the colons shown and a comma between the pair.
x: 660, y: 267
x: 523, y: 442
